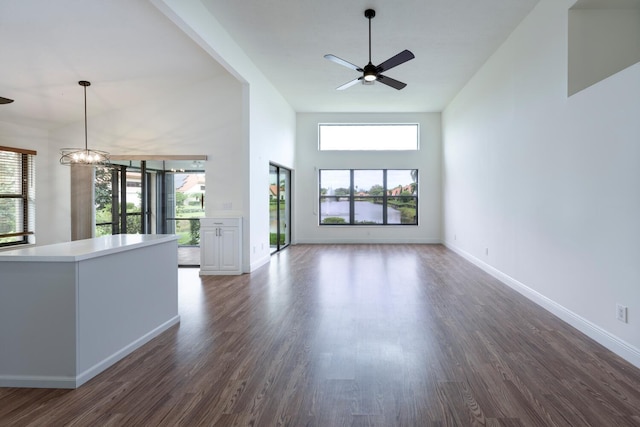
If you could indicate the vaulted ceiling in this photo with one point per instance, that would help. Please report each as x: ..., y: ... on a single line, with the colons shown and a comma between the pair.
x: 132, y: 53
x: 451, y: 39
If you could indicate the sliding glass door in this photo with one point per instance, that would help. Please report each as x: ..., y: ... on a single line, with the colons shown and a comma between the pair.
x: 153, y: 197
x: 279, y: 207
x: 123, y: 195
x: 183, y: 201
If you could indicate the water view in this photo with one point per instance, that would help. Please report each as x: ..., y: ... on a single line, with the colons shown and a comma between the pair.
x: 365, y: 212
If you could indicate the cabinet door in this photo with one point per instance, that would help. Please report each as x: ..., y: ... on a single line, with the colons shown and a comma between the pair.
x: 210, y: 252
x: 229, y: 248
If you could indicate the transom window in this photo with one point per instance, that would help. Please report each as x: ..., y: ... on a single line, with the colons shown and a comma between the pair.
x: 368, y: 196
x: 17, y: 196
x: 368, y: 137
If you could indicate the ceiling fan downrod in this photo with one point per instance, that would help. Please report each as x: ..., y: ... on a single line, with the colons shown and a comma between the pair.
x: 370, y: 72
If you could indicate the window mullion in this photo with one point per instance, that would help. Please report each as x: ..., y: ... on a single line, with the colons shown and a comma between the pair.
x: 352, y: 205
x: 115, y: 202
x: 384, y: 197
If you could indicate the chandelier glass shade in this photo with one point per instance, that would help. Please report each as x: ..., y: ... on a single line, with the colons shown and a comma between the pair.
x: 84, y: 156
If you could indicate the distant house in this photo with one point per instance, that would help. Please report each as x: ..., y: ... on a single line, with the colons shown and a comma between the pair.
x: 193, y: 187
x: 401, y: 189
x: 273, y: 192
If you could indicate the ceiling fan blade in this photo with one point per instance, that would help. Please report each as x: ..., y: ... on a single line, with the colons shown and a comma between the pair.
x: 343, y: 62
x: 5, y: 100
x: 394, y: 61
x: 349, y: 84
x: 391, y: 82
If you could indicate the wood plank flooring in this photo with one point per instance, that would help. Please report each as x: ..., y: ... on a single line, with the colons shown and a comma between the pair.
x: 351, y: 335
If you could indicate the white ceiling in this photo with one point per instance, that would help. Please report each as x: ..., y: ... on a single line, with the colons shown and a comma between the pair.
x: 133, y: 54
x: 129, y: 51
x: 451, y: 39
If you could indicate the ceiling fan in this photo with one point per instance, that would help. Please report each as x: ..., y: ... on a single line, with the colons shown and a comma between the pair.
x: 5, y: 100
x: 370, y: 72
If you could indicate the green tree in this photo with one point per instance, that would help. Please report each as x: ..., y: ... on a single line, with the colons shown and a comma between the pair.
x: 341, y: 192
x: 194, y: 231
x: 376, y: 190
x: 414, y: 184
x: 103, y: 214
x: 103, y: 188
x: 180, y: 199
x: 134, y: 224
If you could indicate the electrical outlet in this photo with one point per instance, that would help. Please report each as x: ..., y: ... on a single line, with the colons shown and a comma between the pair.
x: 621, y: 313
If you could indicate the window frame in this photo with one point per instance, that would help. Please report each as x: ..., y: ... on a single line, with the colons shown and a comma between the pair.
x: 353, y: 197
x: 26, y: 194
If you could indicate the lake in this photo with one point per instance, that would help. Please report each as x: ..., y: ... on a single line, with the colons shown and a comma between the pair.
x: 364, y: 211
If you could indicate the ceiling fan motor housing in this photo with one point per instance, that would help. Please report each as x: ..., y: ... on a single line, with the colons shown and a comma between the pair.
x: 370, y: 72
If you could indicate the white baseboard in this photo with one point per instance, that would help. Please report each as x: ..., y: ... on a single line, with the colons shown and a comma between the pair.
x: 125, y: 351
x: 33, y: 381
x: 259, y: 263
x: 603, y: 337
x: 28, y: 381
x: 365, y: 241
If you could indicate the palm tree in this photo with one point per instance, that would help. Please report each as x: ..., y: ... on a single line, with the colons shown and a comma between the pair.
x: 414, y: 184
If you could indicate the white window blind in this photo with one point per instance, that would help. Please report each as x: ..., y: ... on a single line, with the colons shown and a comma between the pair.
x: 17, y: 196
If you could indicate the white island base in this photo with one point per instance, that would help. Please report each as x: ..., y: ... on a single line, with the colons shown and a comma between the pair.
x: 69, y: 311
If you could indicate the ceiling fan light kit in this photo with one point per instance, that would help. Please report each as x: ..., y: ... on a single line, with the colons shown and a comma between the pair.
x: 84, y: 156
x: 370, y: 72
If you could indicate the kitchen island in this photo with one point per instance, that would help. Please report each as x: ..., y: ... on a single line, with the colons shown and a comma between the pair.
x: 68, y: 311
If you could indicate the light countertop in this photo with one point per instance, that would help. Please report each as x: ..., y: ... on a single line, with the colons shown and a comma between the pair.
x: 85, y: 249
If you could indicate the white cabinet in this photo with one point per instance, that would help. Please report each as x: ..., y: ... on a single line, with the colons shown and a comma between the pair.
x: 221, y: 246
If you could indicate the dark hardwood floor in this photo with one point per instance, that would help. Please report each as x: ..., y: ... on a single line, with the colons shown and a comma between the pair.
x: 351, y: 335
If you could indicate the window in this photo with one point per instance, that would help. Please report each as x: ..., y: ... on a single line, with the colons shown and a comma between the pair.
x: 368, y: 137
x: 368, y: 197
x: 17, y: 196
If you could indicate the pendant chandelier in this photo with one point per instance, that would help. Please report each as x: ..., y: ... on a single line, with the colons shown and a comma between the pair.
x: 84, y: 156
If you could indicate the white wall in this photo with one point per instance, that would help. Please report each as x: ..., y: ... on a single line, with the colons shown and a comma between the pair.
x: 309, y: 160
x: 549, y: 184
x: 196, y: 122
x: 268, y: 121
x: 18, y: 136
x: 272, y: 140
